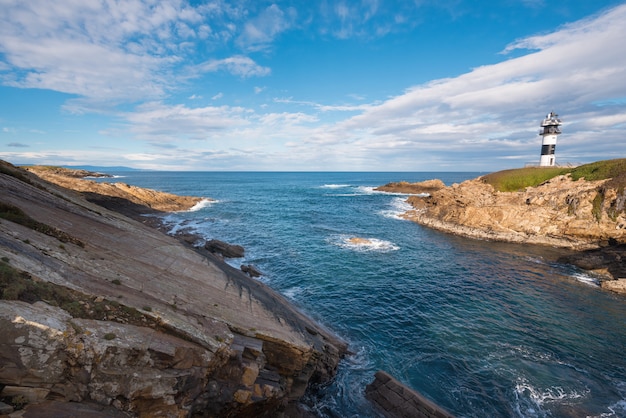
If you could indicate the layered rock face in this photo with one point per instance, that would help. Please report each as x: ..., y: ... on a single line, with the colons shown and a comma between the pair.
x: 153, y: 327
x: 560, y: 212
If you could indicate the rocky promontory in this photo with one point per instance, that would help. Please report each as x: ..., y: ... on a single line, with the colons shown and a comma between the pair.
x: 575, y: 214
x: 121, y: 197
x: 101, y: 315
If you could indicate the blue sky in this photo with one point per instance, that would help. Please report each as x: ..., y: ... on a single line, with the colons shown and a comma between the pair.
x: 369, y: 85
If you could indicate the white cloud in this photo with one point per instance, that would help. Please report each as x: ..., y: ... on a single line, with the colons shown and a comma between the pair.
x: 158, y: 122
x: 497, y: 107
x: 239, y: 65
x: 113, y: 51
x: 259, y: 32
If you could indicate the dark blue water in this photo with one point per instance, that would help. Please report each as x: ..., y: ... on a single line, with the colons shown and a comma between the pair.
x: 483, y: 329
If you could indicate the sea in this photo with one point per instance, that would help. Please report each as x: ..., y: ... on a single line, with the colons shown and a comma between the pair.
x: 483, y: 329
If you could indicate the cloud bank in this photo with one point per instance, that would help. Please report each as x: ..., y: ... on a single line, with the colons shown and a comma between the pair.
x: 131, y: 57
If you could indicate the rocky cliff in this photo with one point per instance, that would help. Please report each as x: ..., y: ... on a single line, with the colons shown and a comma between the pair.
x: 101, y: 314
x: 579, y: 215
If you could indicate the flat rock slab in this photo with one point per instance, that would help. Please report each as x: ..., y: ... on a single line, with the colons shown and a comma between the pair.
x: 395, y: 400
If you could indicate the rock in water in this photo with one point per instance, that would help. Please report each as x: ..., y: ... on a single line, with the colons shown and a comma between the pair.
x: 225, y: 249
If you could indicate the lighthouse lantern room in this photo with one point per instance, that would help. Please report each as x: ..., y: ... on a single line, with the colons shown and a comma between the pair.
x: 550, y: 130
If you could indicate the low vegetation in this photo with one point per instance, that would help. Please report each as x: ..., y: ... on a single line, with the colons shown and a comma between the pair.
x: 17, y: 215
x: 11, y: 170
x: 19, y: 285
x: 519, y: 179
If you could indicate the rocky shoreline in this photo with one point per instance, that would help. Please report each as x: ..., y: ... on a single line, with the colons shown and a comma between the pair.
x: 560, y: 213
x: 102, y: 313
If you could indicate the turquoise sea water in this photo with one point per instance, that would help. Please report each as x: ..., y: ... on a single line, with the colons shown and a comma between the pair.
x: 483, y: 329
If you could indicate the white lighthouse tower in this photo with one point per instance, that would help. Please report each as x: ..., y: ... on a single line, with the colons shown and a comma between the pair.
x: 549, y: 133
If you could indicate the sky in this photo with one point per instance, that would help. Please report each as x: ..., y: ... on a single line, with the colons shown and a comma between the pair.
x: 295, y: 85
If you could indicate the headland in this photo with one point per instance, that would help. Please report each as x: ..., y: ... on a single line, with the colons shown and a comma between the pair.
x: 568, y: 209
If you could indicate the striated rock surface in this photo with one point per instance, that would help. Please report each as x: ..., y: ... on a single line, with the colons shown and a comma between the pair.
x: 146, y: 325
x: 395, y: 400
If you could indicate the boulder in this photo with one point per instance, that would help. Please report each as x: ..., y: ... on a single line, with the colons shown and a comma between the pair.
x: 251, y: 270
x: 227, y: 250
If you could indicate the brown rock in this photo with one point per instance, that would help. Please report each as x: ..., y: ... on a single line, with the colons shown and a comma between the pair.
x: 618, y: 285
x: 423, y: 187
x: 539, y: 215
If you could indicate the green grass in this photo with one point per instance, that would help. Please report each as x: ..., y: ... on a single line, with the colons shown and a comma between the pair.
x: 519, y: 179
x: 600, y: 170
x: 17, y: 215
x: 19, y: 285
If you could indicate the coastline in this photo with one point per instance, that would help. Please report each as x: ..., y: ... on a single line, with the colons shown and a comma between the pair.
x: 558, y: 213
x: 238, y: 336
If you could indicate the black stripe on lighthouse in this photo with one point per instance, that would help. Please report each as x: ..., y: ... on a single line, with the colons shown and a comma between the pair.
x: 548, y: 149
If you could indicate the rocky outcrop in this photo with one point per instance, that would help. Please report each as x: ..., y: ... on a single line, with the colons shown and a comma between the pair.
x: 251, y: 270
x: 151, y: 326
x: 423, y: 187
x: 608, y: 261
x: 224, y: 249
x: 560, y: 212
x: 121, y: 197
x: 586, y: 216
x: 395, y: 400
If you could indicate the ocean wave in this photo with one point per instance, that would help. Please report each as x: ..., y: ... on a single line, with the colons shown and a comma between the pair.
x: 398, y: 207
x: 334, y: 186
x: 541, y: 397
x: 586, y: 279
x: 293, y: 292
x: 358, y: 191
x: 361, y: 244
x: 618, y: 409
x: 204, y: 203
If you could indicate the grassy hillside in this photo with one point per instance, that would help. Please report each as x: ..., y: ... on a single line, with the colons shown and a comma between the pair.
x: 518, y: 179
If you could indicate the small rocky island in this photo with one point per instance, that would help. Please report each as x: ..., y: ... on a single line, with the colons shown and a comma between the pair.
x: 104, y: 316
x: 565, y: 210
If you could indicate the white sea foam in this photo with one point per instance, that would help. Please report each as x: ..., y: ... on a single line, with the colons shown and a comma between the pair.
x: 204, y: 203
x: 334, y: 186
x: 586, y: 279
x: 542, y: 396
x: 293, y: 292
x: 361, y: 244
x: 618, y: 409
x: 360, y: 191
x: 399, y: 206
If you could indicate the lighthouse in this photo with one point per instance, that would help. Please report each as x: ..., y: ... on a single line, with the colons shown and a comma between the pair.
x: 550, y: 130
